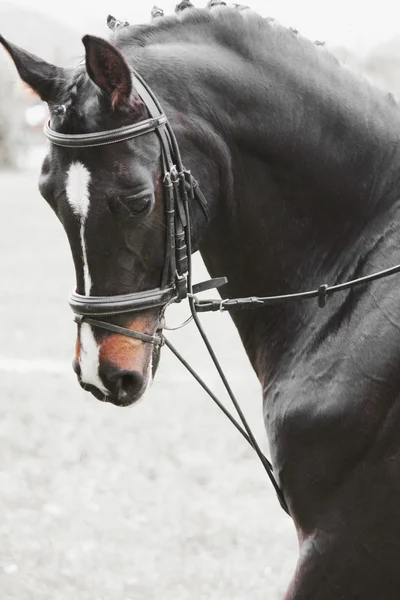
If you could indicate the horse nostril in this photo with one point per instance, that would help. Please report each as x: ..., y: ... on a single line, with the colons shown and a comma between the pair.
x: 131, y: 382
x: 121, y: 383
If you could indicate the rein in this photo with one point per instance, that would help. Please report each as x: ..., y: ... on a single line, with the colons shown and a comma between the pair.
x: 322, y: 294
x: 180, y: 190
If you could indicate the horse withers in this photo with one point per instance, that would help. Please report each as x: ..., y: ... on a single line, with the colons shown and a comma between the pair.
x: 298, y: 159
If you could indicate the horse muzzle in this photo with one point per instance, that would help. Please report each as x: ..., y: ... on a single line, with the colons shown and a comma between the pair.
x: 114, y: 367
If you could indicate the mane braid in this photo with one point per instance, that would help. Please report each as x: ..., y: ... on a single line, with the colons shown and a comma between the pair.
x: 237, y: 28
x: 75, y: 86
x: 232, y: 26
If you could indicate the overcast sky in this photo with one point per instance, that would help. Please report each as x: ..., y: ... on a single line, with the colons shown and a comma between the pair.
x: 352, y: 22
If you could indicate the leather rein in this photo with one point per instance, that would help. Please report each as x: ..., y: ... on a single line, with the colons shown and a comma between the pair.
x: 180, y: 190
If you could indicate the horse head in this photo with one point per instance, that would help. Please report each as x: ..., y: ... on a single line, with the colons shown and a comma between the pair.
x: 110, y: 201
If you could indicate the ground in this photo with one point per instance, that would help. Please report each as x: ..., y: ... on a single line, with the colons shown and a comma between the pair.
x: 163, y: 500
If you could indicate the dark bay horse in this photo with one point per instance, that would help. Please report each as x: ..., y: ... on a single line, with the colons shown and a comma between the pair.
x: 299, y: 162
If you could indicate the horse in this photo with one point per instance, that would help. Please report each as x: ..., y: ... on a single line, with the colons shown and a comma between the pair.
x: 298, y: 159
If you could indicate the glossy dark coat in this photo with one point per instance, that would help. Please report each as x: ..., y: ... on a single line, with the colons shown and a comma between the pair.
x: 299, y: 160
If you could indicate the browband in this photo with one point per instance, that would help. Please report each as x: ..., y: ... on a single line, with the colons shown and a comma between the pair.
x: 102, y: 138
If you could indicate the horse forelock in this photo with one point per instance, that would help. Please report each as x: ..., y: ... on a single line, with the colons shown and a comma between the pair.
x: 76, y: 92
x: 86, y: 107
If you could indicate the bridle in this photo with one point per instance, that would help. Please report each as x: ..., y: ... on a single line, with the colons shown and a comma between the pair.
x: 181, y: 190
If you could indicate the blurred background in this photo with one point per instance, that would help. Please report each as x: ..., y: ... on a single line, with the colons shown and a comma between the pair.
x: 162, y: 500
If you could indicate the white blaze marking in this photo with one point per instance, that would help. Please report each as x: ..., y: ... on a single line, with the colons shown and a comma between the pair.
x: 89, y: 358
x: 150, y: 372
x: 77, y: 190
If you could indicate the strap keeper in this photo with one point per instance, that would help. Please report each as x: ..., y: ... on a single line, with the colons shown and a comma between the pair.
x: 322, y: 295
x: 181, y: 287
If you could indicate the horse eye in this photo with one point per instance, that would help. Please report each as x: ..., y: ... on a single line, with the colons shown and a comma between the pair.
x: 129, y: 206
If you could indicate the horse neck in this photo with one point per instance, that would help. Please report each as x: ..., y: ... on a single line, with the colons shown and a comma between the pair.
x: 303, y: 162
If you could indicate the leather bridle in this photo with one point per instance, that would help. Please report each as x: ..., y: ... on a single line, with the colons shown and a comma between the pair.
x: 180, y: 192
x: 179, y: 187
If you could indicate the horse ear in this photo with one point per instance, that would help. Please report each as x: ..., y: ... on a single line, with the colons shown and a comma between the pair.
x: 43, y: 78
x: 108, y: 69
